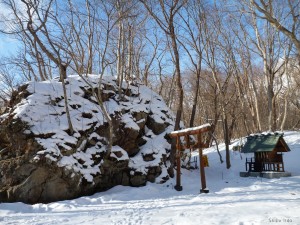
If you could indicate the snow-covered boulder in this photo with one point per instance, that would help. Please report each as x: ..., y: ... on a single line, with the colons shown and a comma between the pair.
x: 41, y: 161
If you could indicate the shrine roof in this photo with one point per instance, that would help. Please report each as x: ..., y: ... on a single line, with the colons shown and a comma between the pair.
x: 265, y: 143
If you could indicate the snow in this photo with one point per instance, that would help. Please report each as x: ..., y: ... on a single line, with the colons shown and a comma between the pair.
x: 153, y: 146
x: 128, y: 119
x: 191, y: 129
x: 231, y: 200
x: 117, y: 149
x: 44, y: 111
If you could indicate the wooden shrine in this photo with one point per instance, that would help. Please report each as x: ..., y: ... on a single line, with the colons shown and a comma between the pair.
x: 267, y: 149
x: 202, y: 138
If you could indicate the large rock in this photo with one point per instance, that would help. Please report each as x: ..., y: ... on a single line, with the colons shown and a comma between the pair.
x: 40, y: 161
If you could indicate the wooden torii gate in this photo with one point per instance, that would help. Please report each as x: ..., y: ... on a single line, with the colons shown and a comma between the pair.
x: 202, y: 141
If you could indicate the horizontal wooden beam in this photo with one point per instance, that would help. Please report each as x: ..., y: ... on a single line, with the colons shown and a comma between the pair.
x: 191, y: 131
x: 192, y: 146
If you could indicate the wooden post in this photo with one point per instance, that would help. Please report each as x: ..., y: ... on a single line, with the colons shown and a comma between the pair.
x: 187, y: 140
x: 282, y: 162
x: 179, y: 147
x: 178, y: 186
x: 202, y: 171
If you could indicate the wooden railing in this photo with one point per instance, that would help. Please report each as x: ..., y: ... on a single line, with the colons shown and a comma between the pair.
x: 273, y: 166
x: 251, y: 166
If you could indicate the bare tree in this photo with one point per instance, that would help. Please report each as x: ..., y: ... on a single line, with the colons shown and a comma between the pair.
x: 164, y: 16
x: 193, y: 44
x: 8, y: 81
x: 270, y: 51
x: 126, y: 13
x: 169, y: 9
x: 218, y: 49
x: 146, y: 70
x: 286, y: 20
x: 32, y: 22
x: 245, y: 81
x: 99, y: 48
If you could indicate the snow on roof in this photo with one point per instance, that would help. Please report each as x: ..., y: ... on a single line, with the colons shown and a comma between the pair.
x: 191, y: 129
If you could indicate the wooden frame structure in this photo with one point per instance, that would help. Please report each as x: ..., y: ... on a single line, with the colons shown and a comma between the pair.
x: 267, y: 149
x: 202, y: 137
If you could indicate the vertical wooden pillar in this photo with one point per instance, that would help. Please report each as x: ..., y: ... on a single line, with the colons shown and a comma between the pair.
x: 202, y: 171
x: 282, y: 162
x: 178, y: 186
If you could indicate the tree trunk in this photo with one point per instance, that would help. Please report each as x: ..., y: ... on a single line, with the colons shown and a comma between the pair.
x: 119, y: 58
x: 284, y: 113
x: 90, y: 39
x: 195, y: 102
x: 224, y: 119
x: 274, y: 119
x: 257, y: 112
x: 160, y: 78
x: 258, y: 128
x: 170, y: 93
x: 63, y: 75
x: 270, y: 108
x: 178, y: 83
x: 130, y: 53
x: 217, y: 146
x: 178, y: 76
x: 227, y: 141
x: 107, y: 117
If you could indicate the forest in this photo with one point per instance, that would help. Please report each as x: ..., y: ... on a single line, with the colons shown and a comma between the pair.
x: 232, y: 63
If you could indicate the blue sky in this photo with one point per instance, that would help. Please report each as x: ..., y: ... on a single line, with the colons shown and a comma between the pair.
x: 7, y: 45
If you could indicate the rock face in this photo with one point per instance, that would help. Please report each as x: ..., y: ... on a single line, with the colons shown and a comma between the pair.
x: 40, y: 161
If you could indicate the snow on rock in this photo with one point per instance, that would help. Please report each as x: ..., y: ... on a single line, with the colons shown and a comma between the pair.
x: 141, y: 122
x: 119, y: 153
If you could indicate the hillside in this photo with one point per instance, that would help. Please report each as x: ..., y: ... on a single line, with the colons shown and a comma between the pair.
x: 39, y: 155
x: 232, y: 199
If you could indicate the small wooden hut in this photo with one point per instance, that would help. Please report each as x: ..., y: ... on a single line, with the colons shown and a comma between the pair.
x: 268, y: 150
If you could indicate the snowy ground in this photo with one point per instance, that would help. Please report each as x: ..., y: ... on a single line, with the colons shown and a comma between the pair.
x: 231, y: 200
